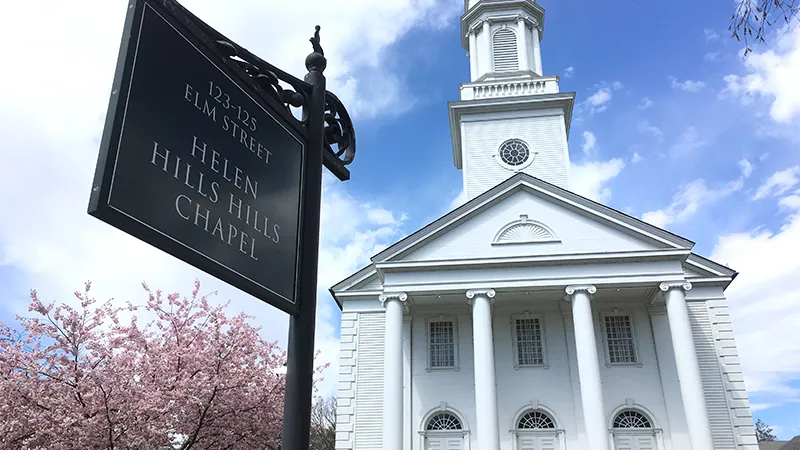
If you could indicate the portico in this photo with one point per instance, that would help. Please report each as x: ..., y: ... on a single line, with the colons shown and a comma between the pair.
x: 593, y: 412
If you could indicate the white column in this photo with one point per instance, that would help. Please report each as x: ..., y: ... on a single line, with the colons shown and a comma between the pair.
x: 594, y: 416
x: 537, y: 51
x: 489, y: 66
x: 485, y: 385
x: 473, y: 55
x: 393, y: 371
x: 694, y: 400
x: 522, y: 48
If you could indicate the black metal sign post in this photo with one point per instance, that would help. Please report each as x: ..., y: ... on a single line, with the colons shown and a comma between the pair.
x: 202, y: 158
x: 300, y: 357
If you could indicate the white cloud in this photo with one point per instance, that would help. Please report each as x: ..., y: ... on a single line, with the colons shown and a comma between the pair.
x: 588, y: 179
x: 689, y: 198
x: 646, y: 127
x: 688, y: 143
x: 791, y: 202
x: 747, y: 168
x: 710, y: 35
x: 51, y: 125
x: 772, y: 75
x: 763, y: 307
x: 711, y: 56
x: 636, y: 158
x: 569, y: 71
x: 779, y: 183
x: 599, y: 99
x: 589, y: 142
x: 686, y: 85
x: 645, y: 103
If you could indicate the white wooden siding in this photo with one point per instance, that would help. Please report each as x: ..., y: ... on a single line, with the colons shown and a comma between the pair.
x: 713, y: 386
x: 544, y: 135
x: 345, y: 402
x: 732, y: 374
x: 369, y: 382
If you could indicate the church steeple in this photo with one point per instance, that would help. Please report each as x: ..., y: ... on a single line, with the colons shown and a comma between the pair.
x: 503, y: 37
x: 511, y: 118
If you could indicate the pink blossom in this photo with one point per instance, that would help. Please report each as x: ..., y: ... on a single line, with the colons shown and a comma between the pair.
x: 93, y: 377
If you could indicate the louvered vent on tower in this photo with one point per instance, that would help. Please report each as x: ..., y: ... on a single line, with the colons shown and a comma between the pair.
x: 504, y: 49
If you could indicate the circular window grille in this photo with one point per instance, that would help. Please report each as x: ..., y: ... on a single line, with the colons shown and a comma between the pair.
x: 631, y: 419
x: 514, y: 152
x: 535, y: 420
x: 443, y: 421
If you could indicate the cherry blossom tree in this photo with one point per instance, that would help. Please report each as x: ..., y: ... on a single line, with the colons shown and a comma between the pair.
x: 91, y: 376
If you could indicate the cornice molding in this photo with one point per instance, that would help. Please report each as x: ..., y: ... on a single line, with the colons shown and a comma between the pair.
x: 667, y: 285
x: 588, y: 288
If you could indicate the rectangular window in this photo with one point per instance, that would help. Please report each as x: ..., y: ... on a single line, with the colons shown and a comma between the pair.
x: 441, y: 344
x: 528, y: 333
x: 619, y: 339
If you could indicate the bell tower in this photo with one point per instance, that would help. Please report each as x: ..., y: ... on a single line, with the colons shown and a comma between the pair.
x: 510, y: 118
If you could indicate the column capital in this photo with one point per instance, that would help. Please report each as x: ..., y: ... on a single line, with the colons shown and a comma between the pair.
x: 487, y: 292
x: 667, y: 285
x: 588, y: 288
x: 401, y: 296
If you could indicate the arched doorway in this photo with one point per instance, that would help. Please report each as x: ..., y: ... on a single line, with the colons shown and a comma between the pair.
x: 633, y: 430
x: 444, y: 431
x: 536, y: 430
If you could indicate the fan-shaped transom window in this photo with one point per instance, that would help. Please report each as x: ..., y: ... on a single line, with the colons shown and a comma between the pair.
x: 514, y: 152
x: 631, y: 419
x: 443, y: 421
x: 535, y: 420
x: 504, y: 50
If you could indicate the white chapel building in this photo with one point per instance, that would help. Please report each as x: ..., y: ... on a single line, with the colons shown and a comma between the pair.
x: 532, y: 318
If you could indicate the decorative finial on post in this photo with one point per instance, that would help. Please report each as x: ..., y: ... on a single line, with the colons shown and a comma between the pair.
x: 316, y: 60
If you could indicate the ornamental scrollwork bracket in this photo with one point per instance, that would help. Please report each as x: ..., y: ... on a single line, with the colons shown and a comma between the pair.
x: 339, y: 134
x: 339, y: 131
x: 265, y: 77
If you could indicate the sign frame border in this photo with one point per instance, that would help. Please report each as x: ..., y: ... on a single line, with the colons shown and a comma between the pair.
x: 102, y: 184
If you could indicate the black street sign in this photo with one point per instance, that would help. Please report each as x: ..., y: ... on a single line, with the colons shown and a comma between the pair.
x: 192, y: 164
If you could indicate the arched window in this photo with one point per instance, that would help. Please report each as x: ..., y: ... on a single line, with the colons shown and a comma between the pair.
x: 631, y: 419
x: 535, y: 420
x: 504, y: 50
x: 444, y: 431
x: 443, y: 421
x: 535, y: 430
x: 633, y: 430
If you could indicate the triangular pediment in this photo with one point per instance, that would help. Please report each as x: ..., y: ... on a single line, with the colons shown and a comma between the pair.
x: 527, y: 221
x: 523, y: 217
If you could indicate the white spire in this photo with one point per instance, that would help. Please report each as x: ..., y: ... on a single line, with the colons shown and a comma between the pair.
x: 510, y: 117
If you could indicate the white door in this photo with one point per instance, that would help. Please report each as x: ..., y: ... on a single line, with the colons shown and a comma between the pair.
x: 533, y: 442
x: 443, y: 443
x: 634, y: 442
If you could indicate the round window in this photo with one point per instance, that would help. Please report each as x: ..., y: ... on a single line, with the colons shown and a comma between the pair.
x: 514, y: 152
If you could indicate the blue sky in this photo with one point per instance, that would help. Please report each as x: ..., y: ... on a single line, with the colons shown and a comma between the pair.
x: 672, y: 126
